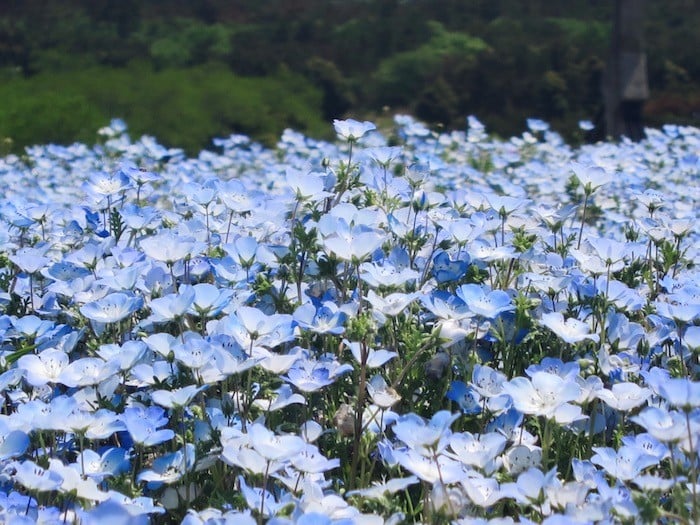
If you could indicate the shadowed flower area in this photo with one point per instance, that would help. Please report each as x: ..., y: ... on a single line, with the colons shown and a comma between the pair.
x: 397, y: 327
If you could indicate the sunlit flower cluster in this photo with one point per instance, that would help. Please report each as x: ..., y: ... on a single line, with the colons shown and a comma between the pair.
x: 400, y: 326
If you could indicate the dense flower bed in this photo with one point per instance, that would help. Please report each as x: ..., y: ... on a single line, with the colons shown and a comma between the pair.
x: 419, y: 327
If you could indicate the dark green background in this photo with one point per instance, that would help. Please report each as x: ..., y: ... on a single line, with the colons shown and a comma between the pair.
x: 187, y: 71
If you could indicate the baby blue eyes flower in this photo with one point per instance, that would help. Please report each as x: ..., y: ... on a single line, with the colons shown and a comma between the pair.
x: 33, y: 477
x: 177, y: 398
x: 465, y: 396
x: 170, y: 468
x: 13, y: 443
x: 544, y: 395
x: 485, y: 304
x: 112, y: 308
x: 352, y: 130
x: 326, y: 319
x: 215, y: 349
x: 681, y: 393
x: 446, y: 270
x: 571, y: 330
x: 107, y: 184
x: 169, y: 247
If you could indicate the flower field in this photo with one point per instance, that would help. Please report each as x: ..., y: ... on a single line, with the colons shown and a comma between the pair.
x: 397, y: 327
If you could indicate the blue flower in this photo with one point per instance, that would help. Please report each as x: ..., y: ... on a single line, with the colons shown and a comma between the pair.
x: 465, y: 396
x: 112, y: 308
x: 446, y: 270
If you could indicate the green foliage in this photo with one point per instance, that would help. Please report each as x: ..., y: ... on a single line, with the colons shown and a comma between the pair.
x: 182, y: 107
x: 186, y: 42
x: 501, y: 61
x: 419, y: 77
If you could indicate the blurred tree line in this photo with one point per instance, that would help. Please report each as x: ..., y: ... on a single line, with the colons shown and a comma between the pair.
x: 188, y: 70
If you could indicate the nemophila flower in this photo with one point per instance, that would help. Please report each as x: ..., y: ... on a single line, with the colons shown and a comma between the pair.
x: 111, y: 462
x: 119, y: 279
x: 691, y: 337
x: 390, y: 305
x: 590, y: 177
x: 426, y: 437
x: 170, y: 468
x: 610, y: 251
x: 379, y: 489
x: 571, y: 330
x: 126, y: 355
x: 35, y: 478
x: 554, y: 365
x: 310, y: 460
x: 13, y: 443
x: 306, y: 185
x: 143, y: 425
x: 284, y: 396
x: 647, y: 444
x: 381, y: 393
x: 483, y: 492
x: 138, y: 218
x: 352, y: 130
x: 259, y: 328
x: 209, y: 300
x: 624, y: 396
x: 486, y: 381
x: 374, y: 358
x: 161, y: 343
x: 445, y: 269
x: 158, y: 372
x: 651, y: 483
x: 624, y: 464
x: 112, y: 511
x: 104, y: 424
x: 309, y: 375
x: 666, y: 426
x: 544, y: 395
x: 278, y: 363
x: 44, y: 367
x: 430, y: 468
x: 376, y: 419
x: 620, y: 295
x: 223, y: 361
x: 107, y: 184
x: 444, y: 305
x: 386, y: 274
x: 170, y: 247
x: 76, y: 484
x: 30, y: 260
x: 172, y: 306
x: 32, y: 326
x: 112, y: 308
x: 243, y: 250
x: 521, y: 457
x: 477, y: 450
x: 64, y: 271
x: 87, y: 371
x: 480, y: 303
x: 481, y: 250
x: 327, y: 318
x: 351, y: 243
x: 681, y: 393
x: 465, y: 396
x: 250, y: 460
x: 531, y: 487
x: 193, y: 351
x: 10, y: 378
x: 683, y: 313
x: 176, y: 398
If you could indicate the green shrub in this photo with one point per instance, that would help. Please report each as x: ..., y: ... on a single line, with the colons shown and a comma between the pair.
x: 181, y: 107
